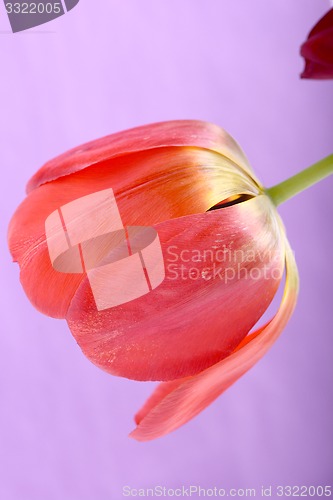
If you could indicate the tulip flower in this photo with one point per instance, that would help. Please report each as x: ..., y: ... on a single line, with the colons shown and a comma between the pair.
x: 318, y: 49
x: 162, y: 250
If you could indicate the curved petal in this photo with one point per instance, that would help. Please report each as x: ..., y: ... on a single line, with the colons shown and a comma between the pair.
x: 325, y: 23
x: 318, y: 54
x: 179, y: 133
x: 175, y: 403
x: 317, y: 71
x: 318, y: 50
x: 222, y: 271
x: 48, y: 290
x: 174, y: 182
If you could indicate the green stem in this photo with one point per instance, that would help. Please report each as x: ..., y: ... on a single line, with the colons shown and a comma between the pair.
x: 301, y: 181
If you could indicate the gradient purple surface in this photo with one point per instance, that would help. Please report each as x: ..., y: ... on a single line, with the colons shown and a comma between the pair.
x: 111, y: 65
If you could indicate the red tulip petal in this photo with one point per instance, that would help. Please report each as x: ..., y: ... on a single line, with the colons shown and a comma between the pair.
x: 160, y: 336
x: 159, y: 135
x: 317, y: 71
x: 174, y: 182
x: 325, y: 23
x: 318, y: 54
x: 318, y: 50
x: 175, y: 403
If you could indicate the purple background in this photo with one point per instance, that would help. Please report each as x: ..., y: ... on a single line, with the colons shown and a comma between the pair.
x: 111, y: 65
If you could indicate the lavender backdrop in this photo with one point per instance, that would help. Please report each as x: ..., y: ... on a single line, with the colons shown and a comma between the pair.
x: 110, y: 65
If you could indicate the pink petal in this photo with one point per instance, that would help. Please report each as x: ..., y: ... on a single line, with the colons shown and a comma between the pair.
x: 186, y: 325
x: 175, y: 403
x: 148, y: 137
